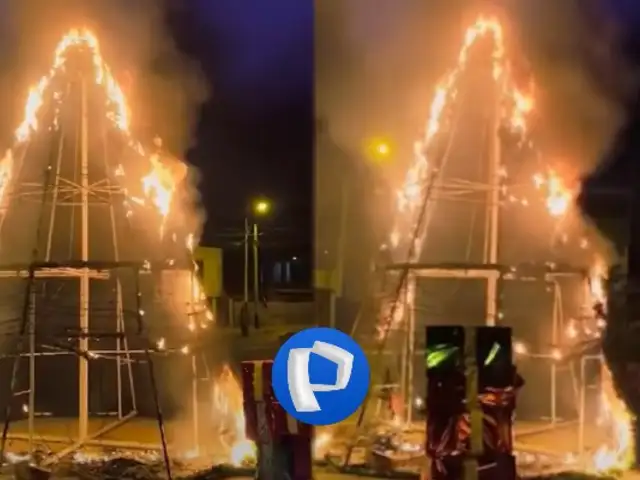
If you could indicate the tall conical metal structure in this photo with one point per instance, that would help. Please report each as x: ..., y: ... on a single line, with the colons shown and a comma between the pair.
x: 477, y: 221
x: 98, y: 270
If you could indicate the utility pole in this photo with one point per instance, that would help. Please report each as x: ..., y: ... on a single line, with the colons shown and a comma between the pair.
x: 337, y: 285
x: 32, y: 368
x: 256, y: 278
x: 83, y: 343
x: 195, y: 404
x: 245, y: 297
x: 493, y: 208
x: 244, y: 311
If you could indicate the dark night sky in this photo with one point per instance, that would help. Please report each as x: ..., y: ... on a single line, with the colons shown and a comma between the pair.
x: 255, y: 135
x: 604, y: 196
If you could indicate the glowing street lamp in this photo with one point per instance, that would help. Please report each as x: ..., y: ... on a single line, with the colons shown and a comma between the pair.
x: 379, y: 150
x: 382, y: 149
x: 261, y: 207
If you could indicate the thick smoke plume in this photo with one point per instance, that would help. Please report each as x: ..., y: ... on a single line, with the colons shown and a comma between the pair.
x: 164, y: 87
x: 377, y: 62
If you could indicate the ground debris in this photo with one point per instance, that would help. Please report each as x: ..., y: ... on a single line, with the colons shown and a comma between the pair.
x: 220, y: 472
x: 113, y: 468
x: 132, y: 469
x: 572, y: 476
x: 24, y: 471
x: 125, y: 467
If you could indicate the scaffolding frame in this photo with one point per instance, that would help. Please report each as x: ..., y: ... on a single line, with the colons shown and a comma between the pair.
x: 67, y: 193
x: 489, y: 269
x: 496, y: 272
x: 98, y: 271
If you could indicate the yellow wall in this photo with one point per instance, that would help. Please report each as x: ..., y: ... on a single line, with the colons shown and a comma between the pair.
x: 210, y: 260
x: 327, y: 280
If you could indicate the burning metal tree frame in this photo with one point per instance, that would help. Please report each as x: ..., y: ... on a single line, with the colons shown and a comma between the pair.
x: 144, y: 189
x: 577, y: 339
x: 156, y: 187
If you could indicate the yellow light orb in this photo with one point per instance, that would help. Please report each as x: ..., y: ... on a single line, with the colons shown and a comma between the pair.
x: 262, y: 207
x: 379, y: 150
x: 383, y: 149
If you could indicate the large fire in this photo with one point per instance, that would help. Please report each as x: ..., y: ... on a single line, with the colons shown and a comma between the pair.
x: 160, y: 183
x: 158, y: 186
x: 516, y: 106
x: 615, y: 454
x: 227, y: 406
x: 618, y: 454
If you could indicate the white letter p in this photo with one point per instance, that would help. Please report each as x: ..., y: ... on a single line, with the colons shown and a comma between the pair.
x: 300, y: 387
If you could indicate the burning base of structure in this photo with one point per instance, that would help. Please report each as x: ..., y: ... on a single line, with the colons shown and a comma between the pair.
x: 395, y: 447
x: 386, y: 449
x: 224, y: 449
x: 392, y: 450
x: 118, y: 465
x: 228, y: 416
x: 383, y: 448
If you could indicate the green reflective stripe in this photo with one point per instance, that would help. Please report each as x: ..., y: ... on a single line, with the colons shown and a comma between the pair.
x: 439, y: 354
x: 493, y: 353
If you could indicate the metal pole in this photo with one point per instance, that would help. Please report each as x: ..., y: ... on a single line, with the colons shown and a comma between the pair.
x: 405, y: 353
x: 332, y: 307
x: 582, y: 408
x: 554, y: 340
x: 244, y: 309
x: 245, y: 297
x: 32, y: 369
x: 493, y: 209
x: 256, y: 278
x: 119, y: 331
x: 83, y: 367
x: 404, y: 370
x: 412, y: 349
x: 194, y: 406
x: 336, y: 289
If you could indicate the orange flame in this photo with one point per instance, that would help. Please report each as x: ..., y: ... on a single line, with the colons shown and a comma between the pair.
x: 228, y: 406
x: 412, y: 193
x: 617, y: 455
x: 558, y: 196
x: 158, y: 185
